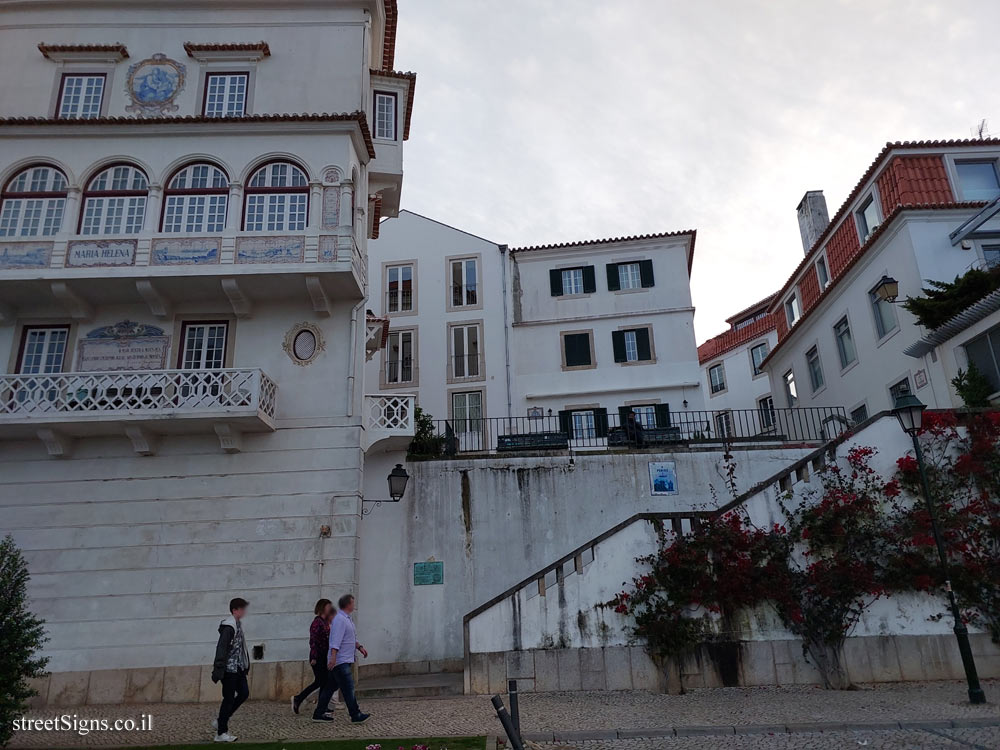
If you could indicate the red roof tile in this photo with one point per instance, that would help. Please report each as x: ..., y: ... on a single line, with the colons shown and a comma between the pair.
x: 376, y: 216
x: 412, y: 78
x: 389, y: 38
x: 359, y: 117
x: 750, y: 308
x: 261, y: 46
x: 48, y: 49
x: 734, y: 338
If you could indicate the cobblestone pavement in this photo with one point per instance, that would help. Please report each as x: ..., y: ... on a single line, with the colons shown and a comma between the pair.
x: 561, y: 714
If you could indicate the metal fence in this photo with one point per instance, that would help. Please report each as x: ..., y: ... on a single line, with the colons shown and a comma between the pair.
x: 596, y: 429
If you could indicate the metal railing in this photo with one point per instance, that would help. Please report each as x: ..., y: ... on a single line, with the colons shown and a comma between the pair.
x: 24, y: 397
x: 596, y: 429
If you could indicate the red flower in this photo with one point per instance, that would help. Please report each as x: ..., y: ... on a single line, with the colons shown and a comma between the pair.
x: 908, y: 465
x: 891, y: 488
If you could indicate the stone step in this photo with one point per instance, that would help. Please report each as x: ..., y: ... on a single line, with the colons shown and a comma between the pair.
x: 435, y: 685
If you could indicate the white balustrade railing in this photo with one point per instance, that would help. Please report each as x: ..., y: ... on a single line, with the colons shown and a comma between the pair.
x: 23, y: 397
x: 390, y: 415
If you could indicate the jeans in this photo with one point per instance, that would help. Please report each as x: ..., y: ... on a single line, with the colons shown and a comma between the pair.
x: 320, y: 679
x: 343, y: 677
x: 234, y: 691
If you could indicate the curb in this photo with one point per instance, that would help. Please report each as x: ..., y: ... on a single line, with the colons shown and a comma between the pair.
x: 750, y: 729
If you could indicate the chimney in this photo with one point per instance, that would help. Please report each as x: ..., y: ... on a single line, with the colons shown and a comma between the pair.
x: 813, y: 218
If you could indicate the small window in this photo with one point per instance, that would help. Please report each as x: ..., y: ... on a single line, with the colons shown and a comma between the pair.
x: 628, y: 276
x: 991, y: 254
x: 792, y: 311
x: 859, y: 415
x: 845, y: 342
x: 815, y: 369
x: 724, y: 424
x: 868, y: 217
x: 978, y: 180
x: 765, y: 408
x: 304, y: 345
x: 33, y: 202
x: 80, y: 96
x: 466, y: 357
x: 885, y: 315
x: 822, y: 273
x: 43, y: 350
x: 631, y: 275
x: 901, y: 388
x: 115, y: 202
x: 225, y: 94
x: 464, y: 283
x: 716, y: 378
x: 385, y: 115
x: 570, y: 281
x: 203, y: 345
x: 277, y: 199
x: 576, y: 350
x: 645, y: 415
x: 195, y: 200
x: 757, y: 355
x: 399, y: 357
x: 584, y: 425
x: 399, y: 288
x: 984, y: 352
x: 791, y: 392
x: 631, y: 345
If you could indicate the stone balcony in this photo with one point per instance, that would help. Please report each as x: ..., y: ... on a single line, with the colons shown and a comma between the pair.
x: 142, y: 404
x: 389, y: 421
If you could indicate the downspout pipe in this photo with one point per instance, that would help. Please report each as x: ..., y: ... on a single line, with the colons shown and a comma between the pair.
x: 506, y: 324
x: 354, y: 353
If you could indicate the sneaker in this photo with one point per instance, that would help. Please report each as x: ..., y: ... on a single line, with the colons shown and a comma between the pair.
x: 295, y: 705
x: 361, y: 718
x: 325, y: 718
x: 225, y: 737
x: 328, y: 715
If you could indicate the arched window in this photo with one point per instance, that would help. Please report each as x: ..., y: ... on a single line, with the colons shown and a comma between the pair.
x: 33, y: 202
x: 115, y: 201
x: 195, y: 200
x: 277, y: 197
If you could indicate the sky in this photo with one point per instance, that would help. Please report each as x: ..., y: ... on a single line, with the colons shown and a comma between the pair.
x: 540, y: 121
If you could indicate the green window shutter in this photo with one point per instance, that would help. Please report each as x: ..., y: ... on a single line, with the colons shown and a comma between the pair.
x: 662, y: 416
x: 601, y: 422
x: 642, y: 344
x: 566, y: 423
x: 618, y: 344
x: 577, y: 349
x: 555, y: 282
x: 623, y: 412
x: 589, y: 280
x: 646, y: 273
x: 614, y: 284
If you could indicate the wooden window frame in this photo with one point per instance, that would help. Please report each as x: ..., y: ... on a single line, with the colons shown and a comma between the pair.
x: 80, y: 74
x: 204, y: 93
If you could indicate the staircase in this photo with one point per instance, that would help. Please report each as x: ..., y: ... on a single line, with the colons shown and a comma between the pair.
x: 431, y: 685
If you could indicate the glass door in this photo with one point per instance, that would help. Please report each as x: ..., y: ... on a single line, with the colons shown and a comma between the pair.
x: 467, y: 419
x: 203, y: 349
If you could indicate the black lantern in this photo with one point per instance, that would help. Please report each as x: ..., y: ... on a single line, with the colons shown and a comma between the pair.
x: 397, y: 482
x: 909, y: 410
x: 887, y: 289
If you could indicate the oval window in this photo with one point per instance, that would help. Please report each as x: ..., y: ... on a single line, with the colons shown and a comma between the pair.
x: 304, y: 345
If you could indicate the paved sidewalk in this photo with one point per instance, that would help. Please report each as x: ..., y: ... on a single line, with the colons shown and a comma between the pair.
x: 586, y: 719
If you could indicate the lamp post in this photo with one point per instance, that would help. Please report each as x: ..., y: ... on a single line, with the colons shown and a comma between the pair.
x: 909, y: 410
x: 887, y: 289
x: 397, y: 487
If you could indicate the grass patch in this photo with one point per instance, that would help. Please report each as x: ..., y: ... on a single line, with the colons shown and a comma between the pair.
x: 432, y: 743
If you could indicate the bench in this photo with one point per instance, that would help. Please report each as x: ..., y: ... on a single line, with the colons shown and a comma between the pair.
x: 532, y: 440
x: 650, y: 436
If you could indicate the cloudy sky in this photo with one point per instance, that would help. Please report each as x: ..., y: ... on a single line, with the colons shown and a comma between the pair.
x: 554, y: 120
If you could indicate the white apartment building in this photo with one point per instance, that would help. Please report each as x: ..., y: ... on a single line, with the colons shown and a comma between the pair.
x: 735, y: 381
x: 923, y: 211
x: 183, y: 264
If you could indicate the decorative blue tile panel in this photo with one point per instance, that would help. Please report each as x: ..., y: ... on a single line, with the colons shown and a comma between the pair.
x: 25, y: 254
x: 185, y: 252
x: 270, y: 249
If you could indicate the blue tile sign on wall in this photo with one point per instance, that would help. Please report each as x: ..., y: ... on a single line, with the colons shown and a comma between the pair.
x: 428, y: 573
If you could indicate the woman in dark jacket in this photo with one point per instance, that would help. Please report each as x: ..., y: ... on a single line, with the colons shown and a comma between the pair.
x: 319, y: 646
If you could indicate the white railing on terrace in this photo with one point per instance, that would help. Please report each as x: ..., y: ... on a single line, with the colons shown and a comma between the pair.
x: 388, y: 416
x: 141, y: 392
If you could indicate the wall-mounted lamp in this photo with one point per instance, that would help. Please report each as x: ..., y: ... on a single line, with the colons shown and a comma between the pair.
x: 397, y: 487
x: 887, y: 289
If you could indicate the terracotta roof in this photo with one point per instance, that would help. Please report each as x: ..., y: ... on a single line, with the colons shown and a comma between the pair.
x: 376, y: 216
x: 889, y: 148
x: 48, y: 49
x: 261, y: 46
x: 742, y: 313
x: 882, y: 228
x: 611, y: 240
x: 734, y: 338
x: 389, y: 38
x: 358, y: 117
x: 407, y: 76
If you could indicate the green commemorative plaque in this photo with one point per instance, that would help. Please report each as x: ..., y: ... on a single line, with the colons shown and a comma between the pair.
x: 428, y: 573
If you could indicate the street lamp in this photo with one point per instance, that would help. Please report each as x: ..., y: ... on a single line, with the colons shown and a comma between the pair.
x: 909, y: 410
x: 887, y: 289
x: 397, y: 486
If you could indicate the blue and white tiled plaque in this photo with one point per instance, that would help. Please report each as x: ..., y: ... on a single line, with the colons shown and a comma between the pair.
x: 83, y: 253
x: 25, y: 254
x: 185, y: 251
x: 270, y: 249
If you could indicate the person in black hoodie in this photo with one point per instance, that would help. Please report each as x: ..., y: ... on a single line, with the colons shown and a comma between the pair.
x: 232, y: 662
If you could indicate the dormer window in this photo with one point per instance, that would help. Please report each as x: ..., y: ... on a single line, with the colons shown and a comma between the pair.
x: 792, y: 311
x: 822, y: 273
x: 868, y: 217
x: 385, y: 115
x: 978, y: 180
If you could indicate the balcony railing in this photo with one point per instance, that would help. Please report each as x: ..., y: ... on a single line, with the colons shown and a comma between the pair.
x: 389, y: 418
x: 595, y: 429
x: 81, y: 396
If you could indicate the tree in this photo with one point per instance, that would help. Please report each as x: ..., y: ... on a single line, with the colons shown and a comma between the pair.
x: 426, y: 440
x: 973, y: 387
x: 21, y: 636
x: 943, y: 300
